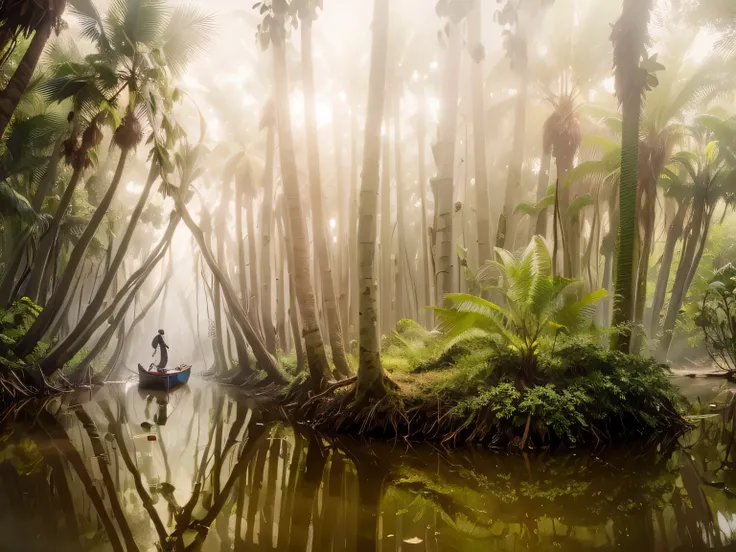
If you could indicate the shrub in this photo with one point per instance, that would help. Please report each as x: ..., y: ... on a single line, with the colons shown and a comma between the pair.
x: 717, y: 318
x: 537, y: 305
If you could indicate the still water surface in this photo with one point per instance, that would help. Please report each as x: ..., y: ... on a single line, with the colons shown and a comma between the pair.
x: 205, y: 469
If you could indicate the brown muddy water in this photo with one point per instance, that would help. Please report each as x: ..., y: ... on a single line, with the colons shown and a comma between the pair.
x: 204, y: 469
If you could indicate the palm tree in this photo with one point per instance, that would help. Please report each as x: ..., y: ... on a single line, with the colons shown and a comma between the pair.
x: 24, y: 17
x: 307, y: 13
x: 273, y: 31
x: 629, y: 37
x: 131, y: 29
x: 562, y: 135
x: 370, y: 373
x: 712, y: 175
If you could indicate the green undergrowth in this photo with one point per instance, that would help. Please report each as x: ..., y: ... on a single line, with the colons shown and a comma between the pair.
x: 472, y: 391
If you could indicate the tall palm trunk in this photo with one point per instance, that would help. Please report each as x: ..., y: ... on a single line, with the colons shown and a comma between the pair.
x: 674, y: 233
x: 14, y: 90
x: 334, y: 327
x: 444, y: 153
x: 266, y: 244
x: 343, y: 250
x: 370, y: 373
x: 403, y: 269
x: 426, y: 256
x: 629, y: 38
x: 386, y: 283
x: 253, y: 272
x: 316, y: 357
x: 44, y: 320
x: 353, y: 231
x: 64, y: 351
x: 293, y: 308
x: 482, y: 207
x: 220, y: 230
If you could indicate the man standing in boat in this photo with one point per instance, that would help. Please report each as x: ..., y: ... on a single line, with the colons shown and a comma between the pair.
x: 159, y: 343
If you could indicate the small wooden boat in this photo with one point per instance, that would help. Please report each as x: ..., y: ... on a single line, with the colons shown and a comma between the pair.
x: 163, y: 380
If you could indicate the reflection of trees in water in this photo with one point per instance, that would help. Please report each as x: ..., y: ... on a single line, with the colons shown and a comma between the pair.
x: 221, y: 476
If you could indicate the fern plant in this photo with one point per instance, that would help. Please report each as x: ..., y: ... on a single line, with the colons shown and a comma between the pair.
x: 534, y: 304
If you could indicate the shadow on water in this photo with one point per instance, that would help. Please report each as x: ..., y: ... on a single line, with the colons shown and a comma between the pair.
x: 206, y: 469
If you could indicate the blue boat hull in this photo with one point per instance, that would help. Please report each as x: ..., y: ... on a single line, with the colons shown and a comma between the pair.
x: 164, y: 381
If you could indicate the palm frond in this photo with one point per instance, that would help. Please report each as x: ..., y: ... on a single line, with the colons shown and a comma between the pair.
x: 186, y: 34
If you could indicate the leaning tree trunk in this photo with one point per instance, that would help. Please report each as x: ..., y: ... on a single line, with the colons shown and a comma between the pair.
x: 44, y: 320
x: 64, y: 351
x: 334, y: 327
x: 267, y: 362
x: 370, y: 373
x: 16, y: 87
x: 679, y: 288
x: 444, y: 153
x: 316, y: 356
x: 482, y: 207
x: 660, y: 291
x: 49, y: 239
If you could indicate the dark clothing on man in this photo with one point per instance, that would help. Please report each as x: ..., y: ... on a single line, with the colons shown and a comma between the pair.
x: 159, y: 343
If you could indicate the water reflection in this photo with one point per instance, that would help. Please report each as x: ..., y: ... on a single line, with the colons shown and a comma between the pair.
x: 207, y: 469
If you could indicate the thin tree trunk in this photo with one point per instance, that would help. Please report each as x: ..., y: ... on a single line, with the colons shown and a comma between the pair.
x: 266, y: 244
x: 444, y: 154
x: 403, y: 269
x: 504, y: 235
x: 253, y: 272
x: 267, y: 362
x: 44, y: 320
x: 50, y: 238
x: 353, y: 233
x: 482, y: 207
x: 370, y: 373
x: 426, y: 256
x: 386, y: 319
x: 542, y: 186
x: 334, y: 327
x: 679, y: 288
x: 343, y: 249
x: 316, y: 356
x: 293, y: 312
